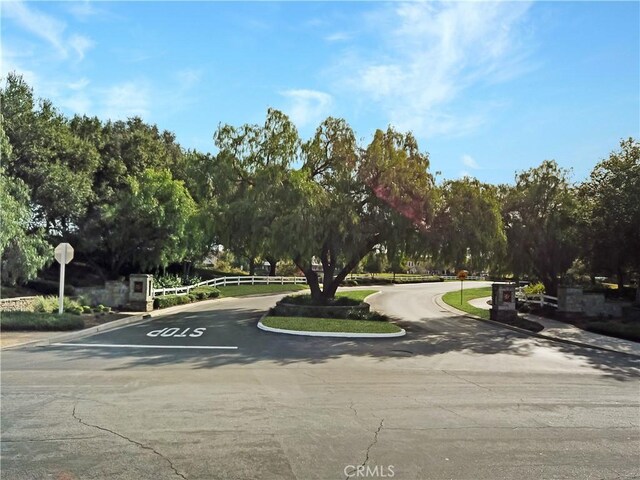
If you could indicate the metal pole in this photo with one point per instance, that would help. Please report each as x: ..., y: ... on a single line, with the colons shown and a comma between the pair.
x: 63, y: 264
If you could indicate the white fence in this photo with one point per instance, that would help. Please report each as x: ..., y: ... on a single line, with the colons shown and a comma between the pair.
x: 410, y: 278
x: 228, y: 281
x: 538, y: 299
x: 264, y: 280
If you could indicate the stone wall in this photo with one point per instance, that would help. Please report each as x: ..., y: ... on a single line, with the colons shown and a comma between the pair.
x: 114, y: 294
x: 572, y: 300
x: 23, y: 304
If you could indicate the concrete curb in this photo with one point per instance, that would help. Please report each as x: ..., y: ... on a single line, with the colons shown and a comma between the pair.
x: 527, y: 332
x: 81, y: 333
x: 262, y: 326
x: 123, y: 322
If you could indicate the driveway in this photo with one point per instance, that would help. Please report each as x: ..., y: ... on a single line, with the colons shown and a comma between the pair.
x: 455, y: 398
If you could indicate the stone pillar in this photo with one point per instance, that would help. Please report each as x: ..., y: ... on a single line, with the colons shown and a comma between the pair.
x: 140, y: 292
x: 503, y: 302
x: 569, y: 301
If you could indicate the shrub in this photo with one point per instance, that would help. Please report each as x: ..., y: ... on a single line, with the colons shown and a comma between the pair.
x: 45, y: 304
x: 307, y: 300
x: 86, y: 309
x: 171, y: 301
x: 168, y: 281
x: 49, y: 304
x: 39, y: 321
x: 202, y: 293
x: 361, y: 315
x: 191, y: 280
x: 533, y: 289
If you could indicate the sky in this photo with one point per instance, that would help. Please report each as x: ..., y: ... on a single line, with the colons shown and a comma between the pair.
x: 488, y: 89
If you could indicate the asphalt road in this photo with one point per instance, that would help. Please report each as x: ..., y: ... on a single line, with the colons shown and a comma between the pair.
x: 454, y: 399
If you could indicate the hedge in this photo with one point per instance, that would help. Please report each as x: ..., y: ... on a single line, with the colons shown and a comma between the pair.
x: 197, y: 294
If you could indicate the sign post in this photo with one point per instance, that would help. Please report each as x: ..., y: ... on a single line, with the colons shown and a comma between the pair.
x: 63, y: 254
x: 462, y: 275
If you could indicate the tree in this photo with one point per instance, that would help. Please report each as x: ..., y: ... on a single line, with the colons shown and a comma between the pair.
x: 540, y: 217
x: 345, y: 201
x: 145, y: 228
x: 56, y: 165
x: 468, y: 229
x: 251, y: 165
x: 23, y: 249
x: 611, y: 214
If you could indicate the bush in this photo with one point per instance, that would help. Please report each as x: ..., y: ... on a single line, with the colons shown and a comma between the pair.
x: 533, y: 289
x: 86, y: 309
x: 171, y: 301
x: 45, y: 304
x: 307, y: 300
x: 39, y: 321
x: 49, y: 287
x: 361, y: 315
x: 49, y: 304
x: 191, y: 280
x: 202, y: 293
x: 168, y: 281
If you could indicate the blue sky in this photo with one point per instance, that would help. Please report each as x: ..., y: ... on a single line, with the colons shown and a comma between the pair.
x: 487, y: 88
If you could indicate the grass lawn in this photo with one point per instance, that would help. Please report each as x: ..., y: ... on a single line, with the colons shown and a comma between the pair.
x: 307, y: 324
x: 357, y: 295
x: 39, y: 321
x: 453, y: 299
x: 241, y: 290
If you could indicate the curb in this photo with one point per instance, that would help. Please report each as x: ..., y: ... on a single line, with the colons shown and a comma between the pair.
x: 81, y: 333
x: 528, y: 332
x: 262, y: 326
x: 123, y: 322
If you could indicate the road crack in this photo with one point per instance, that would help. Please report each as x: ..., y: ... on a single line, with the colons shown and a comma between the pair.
x: 141, y: 445
x: 352, y: 407
x: 375, y: 440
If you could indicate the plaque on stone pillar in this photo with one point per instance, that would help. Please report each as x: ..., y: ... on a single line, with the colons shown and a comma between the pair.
x: 503, y: 302
x: 140, y: 292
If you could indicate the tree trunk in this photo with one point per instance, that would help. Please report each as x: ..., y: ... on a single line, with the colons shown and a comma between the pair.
x: 620, y: 275
x: 252, y: 266
x: 272, y: 266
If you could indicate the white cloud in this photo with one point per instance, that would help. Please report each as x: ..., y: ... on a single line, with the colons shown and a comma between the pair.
x: 47, y: 28
x: 80, y: 44
x: 307, y: 106
x: 429, y: 54
x: 338, y: 37
x: 126, y: 100
x: 469, y: 161
x: 189, y: 77
x: 84, y: 9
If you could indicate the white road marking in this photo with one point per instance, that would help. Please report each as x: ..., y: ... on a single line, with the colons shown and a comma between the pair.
x: 115, y: 345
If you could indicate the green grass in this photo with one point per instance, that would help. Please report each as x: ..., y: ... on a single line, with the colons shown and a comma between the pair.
x: 39, y: 321
x: 241, y: 290
x: 357, y: 295
x: 453, y: 299
x: 308, y: 324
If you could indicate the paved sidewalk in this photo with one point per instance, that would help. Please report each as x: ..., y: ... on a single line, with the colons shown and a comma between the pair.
x: 555, y: 330
x: 566, y: 331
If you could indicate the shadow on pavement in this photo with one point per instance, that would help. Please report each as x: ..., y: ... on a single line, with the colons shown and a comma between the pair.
x: 428, y: 337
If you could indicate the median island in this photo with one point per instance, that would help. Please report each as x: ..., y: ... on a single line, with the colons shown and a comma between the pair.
x: 346, y: 315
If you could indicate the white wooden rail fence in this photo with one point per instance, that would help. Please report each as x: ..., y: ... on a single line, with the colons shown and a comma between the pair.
x: 368, y: 276
x: 228, y: 281
x: 265, y: 280
x: 538, y: 299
